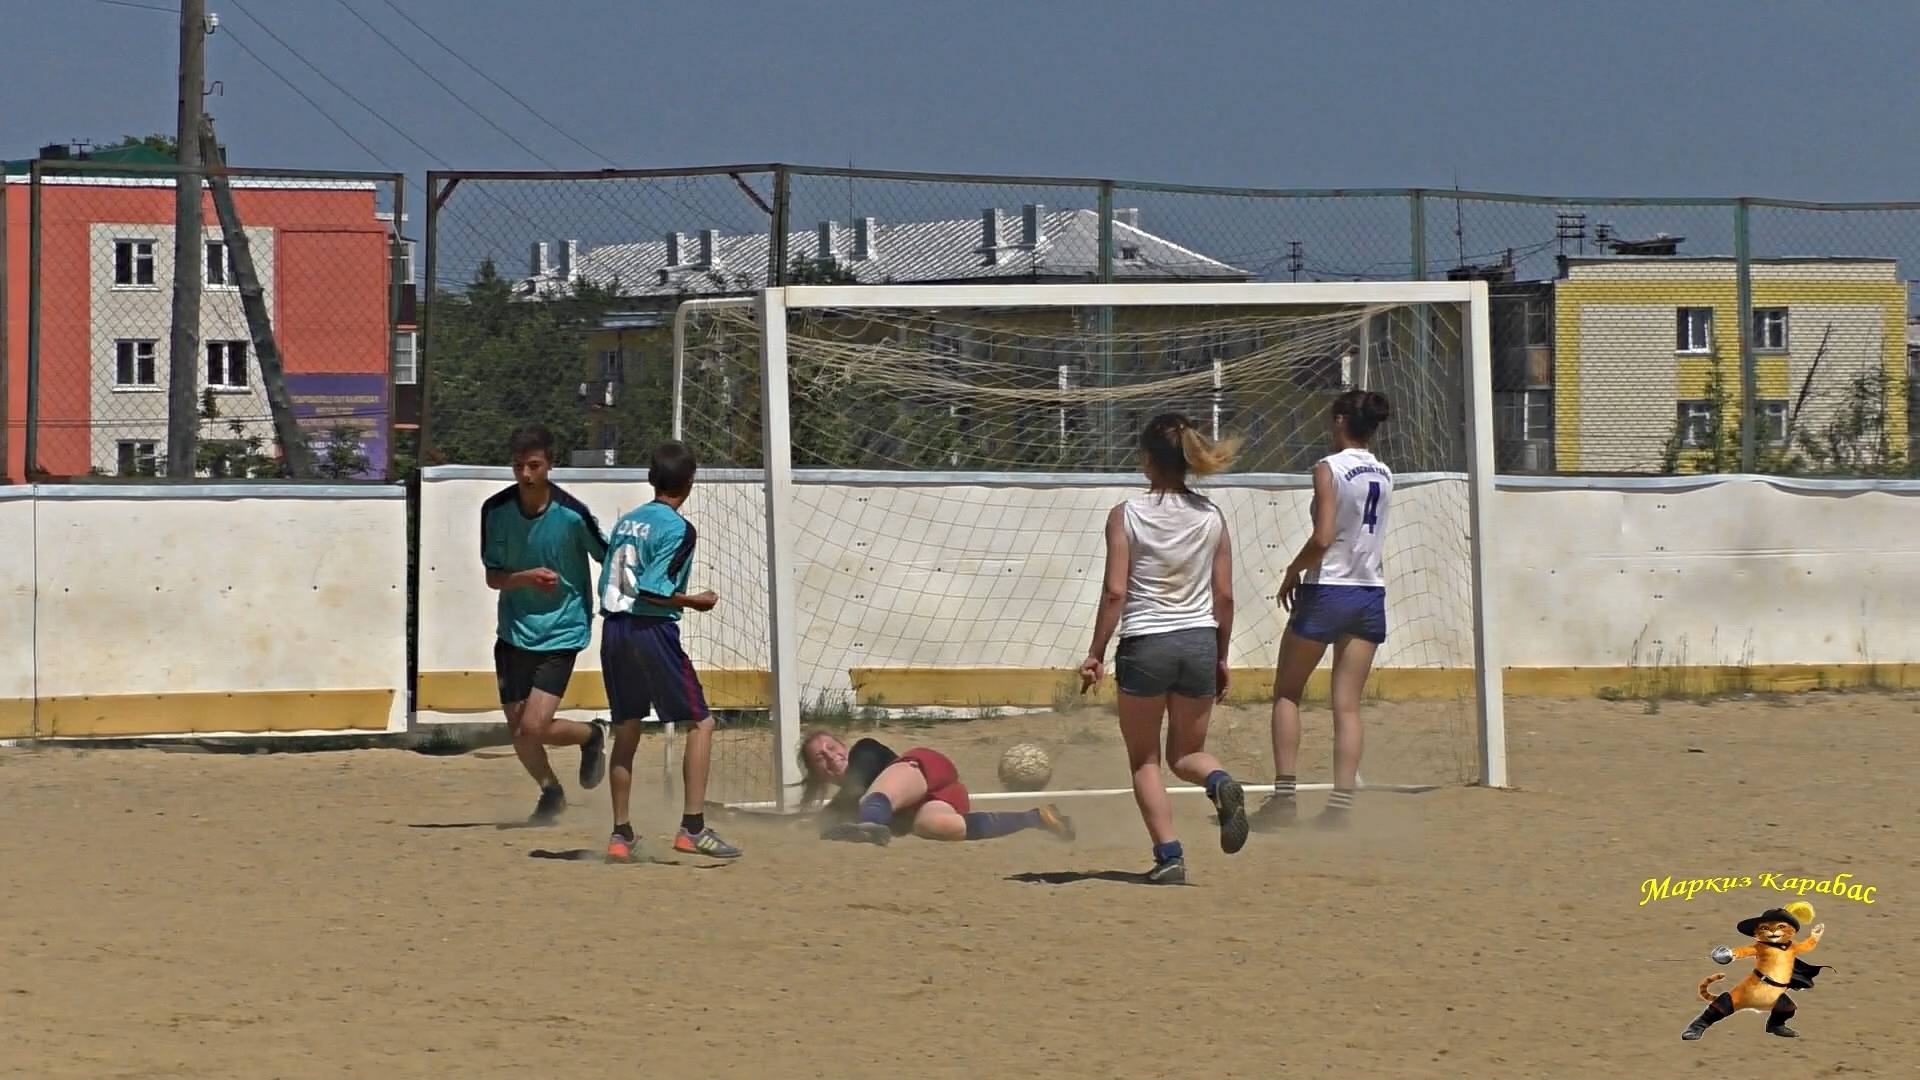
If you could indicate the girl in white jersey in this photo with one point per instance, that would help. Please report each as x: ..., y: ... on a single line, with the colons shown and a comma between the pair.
x: 1336, y: 590
x: 1169, y: 593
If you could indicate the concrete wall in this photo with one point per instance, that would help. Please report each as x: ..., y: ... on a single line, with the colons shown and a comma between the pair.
x: 171, y: 610
x: 16, y: 612
x: 951, y: 592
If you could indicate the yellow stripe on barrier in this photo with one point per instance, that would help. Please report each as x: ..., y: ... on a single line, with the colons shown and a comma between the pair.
x: 251, y: 712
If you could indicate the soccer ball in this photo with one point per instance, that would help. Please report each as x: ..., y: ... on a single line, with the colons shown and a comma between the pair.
x: 1025, y: 767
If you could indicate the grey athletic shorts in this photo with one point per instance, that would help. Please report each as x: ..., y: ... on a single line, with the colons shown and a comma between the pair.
x: 1177, y: 662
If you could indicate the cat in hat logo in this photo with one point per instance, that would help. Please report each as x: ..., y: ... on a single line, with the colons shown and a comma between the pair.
x: 1777, y: 968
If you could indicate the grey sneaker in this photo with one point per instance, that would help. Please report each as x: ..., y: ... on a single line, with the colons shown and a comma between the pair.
x: 861, y: 832
x: 1278, y: 812
x: 553, y: 801
x: 1168, y: 872
x: 1230, y: 806
x: 593, y: 757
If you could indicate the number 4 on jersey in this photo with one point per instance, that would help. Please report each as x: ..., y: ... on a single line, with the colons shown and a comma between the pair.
x: 1369, y: 517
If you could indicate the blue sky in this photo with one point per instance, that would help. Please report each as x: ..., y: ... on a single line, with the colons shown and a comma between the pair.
x: 1799, y: 100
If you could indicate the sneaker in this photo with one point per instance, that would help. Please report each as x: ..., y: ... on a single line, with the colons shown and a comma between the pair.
x: 1169, y: 872
x: 622, y: 850
x: 706, y: 842
x: 1333, y: 820
x: 593, y: 757
x: 1230, y: 806
x: 861, y: 832
x: 553, y: 800
x: 1278, y: 812
x: 1055, y: 822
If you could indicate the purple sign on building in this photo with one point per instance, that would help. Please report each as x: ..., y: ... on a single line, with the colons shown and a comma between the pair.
x: 322, y: 403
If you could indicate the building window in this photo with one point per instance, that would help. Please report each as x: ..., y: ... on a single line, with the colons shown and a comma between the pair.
x: 406, y: 370
x: 611, y: 368
x: 1770, y: 329
x: 406, y: 262
x: 1695, y: 326
x: 1526, y: 415
x: 136, y: 458
x: 1539, y: 322
x: 133, y: 263
x: 606, y: 436
x: 219, y: 262
x: 133, y: 363
x: 1771, y: 428
x: 1696, y: 423
x: 227, y: 365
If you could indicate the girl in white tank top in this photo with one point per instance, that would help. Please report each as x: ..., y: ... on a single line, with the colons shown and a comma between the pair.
x: 1168, y: 591
x: 1335, y: 590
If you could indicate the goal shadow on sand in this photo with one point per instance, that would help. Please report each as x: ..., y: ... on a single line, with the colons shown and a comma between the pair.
x: 1073, y: 877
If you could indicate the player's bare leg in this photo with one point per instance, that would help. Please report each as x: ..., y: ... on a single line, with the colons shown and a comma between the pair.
x: 1298, y: 658
x: 695, y: 838
x: 1352, y: 661
x: 534, y: 729
x: 899, y: 785
x: 623, y: 845
x: 1187, y: 721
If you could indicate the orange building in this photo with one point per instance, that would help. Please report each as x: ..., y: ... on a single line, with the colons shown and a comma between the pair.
x: 321, y: 251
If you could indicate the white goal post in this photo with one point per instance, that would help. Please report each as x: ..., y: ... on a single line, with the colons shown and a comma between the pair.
x: 786, y: 544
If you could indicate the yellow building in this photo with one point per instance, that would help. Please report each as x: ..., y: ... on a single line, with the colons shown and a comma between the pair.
x: 1647, y: 361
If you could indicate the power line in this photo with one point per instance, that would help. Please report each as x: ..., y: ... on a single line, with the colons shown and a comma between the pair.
x: 495, y: 83
x: 317, y: 107
x: 351, y: 96
x: 142, y: 7
x: 451, y: 92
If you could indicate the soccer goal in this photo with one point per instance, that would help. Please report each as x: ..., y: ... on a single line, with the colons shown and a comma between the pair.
x: 910, y: 485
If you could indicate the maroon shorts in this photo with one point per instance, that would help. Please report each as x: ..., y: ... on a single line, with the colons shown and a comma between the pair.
x: 943, y: 779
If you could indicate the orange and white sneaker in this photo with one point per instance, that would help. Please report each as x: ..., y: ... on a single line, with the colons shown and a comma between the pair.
x: 620, y: 849
x: 705, y: 842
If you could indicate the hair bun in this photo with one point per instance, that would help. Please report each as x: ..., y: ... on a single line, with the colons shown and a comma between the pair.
x: 1378, y: 407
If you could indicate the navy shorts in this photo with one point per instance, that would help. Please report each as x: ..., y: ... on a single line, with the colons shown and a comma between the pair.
x: 1326, y: 613
x: 647, y: 672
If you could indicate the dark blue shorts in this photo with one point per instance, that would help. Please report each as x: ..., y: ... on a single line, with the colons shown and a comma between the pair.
x: 647, y: 673
x: 1326, y: 613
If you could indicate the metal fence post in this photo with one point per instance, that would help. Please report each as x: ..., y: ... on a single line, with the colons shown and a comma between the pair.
x: 35, y: 226
x: 1417, y: 248
x: 1743, y: 300
x: 777, y: 243
x: 1104, y: 318
x: 428, y: 300
x: 6, y: 348
x: 396, y: 254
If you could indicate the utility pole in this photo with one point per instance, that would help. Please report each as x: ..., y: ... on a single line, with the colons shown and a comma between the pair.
x: 189, y: 252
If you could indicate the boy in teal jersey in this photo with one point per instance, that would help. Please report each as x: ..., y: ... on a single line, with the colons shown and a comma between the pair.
x: 643, y: 589
x: 535, y: 541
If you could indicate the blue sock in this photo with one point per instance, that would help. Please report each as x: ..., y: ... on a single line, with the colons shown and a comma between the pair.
x: 985, y: 826
x: 876, y: 809
x: 1214, y: 780
x: 1168, y: 850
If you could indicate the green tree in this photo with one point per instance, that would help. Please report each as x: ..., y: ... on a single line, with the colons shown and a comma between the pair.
x: 500, y: 362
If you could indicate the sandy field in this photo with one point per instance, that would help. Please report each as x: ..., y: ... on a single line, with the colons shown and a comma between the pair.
x: 360, y: 913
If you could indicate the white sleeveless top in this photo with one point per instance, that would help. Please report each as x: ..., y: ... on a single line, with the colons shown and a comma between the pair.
x: 1362, y: 489
x: 1171, y: 541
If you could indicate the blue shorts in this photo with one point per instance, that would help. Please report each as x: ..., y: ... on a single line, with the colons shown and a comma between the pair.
x: 1326, y: 613
x: 647, y: 672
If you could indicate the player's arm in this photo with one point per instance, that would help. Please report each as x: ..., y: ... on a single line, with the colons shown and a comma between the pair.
x: 1113, y: 598
x: 1222, y: 603
x: 661, y: 556
x: 1325, y: 518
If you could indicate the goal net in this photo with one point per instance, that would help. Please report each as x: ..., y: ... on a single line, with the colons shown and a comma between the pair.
x: 908, y: 487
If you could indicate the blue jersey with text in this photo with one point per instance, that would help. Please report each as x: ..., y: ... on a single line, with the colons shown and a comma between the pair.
x: 650, y: 554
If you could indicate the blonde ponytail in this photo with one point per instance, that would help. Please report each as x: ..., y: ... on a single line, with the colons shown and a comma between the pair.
x: 1205, y: 456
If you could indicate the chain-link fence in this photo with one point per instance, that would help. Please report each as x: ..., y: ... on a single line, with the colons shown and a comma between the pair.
x: 1630, y: 335
x: 286, y: 304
